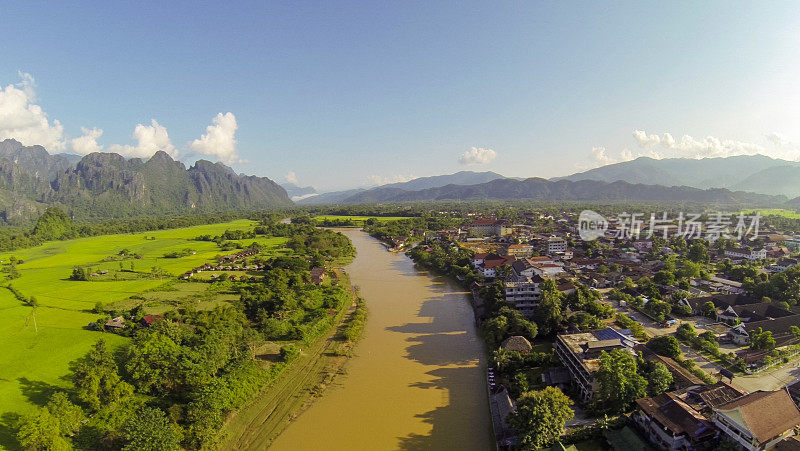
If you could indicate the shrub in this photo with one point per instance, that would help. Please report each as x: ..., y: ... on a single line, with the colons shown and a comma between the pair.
x: 289, y: 353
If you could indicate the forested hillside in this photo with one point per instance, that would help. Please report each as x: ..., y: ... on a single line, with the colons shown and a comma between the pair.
x: 107, y: 186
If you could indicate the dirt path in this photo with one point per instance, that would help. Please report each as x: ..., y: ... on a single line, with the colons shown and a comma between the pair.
x: 256, y: 425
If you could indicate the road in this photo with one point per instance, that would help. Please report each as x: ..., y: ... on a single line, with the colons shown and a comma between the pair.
x: 769, y: 380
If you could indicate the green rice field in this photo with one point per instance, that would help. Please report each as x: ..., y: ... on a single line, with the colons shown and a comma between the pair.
x: 38, y: 345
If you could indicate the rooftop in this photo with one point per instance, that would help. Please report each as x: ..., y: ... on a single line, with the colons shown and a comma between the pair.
x: 764, y: 414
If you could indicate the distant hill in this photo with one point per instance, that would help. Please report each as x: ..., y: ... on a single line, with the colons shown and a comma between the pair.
x: 737, y: 173
x: 775, y: 180
x: 335, y: 197
x: 563, y: 190
x: 459, y: 178
x: 36, y: 160
x: 299, y: 192
x: 106, y: 185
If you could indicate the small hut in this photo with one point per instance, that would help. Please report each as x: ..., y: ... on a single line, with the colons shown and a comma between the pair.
x: 517, y: 343
x: 116, y: 323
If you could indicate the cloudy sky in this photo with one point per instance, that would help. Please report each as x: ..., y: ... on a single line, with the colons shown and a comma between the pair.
x: 343, y: 94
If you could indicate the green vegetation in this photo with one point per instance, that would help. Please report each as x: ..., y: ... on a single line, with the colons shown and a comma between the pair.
x: 620, y: 382
x: 665, y: 345
x: 354, y: 327
x: 541, y: 416
x: 352, y: 221
x: 202, y: 352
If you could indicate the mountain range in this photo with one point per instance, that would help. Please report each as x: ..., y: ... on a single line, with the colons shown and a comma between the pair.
x: 421, y: 183
x: 753, y: 173
x: 106, y: 185
x: 754, y: 179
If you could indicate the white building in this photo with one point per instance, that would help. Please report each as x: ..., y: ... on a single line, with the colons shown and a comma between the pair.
x: 556, y: 244
x: 747, y: 254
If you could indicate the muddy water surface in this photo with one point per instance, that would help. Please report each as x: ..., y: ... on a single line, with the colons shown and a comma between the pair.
x: 417, y: 380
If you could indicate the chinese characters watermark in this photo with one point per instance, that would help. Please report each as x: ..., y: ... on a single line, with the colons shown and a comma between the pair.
x: 713, y: 226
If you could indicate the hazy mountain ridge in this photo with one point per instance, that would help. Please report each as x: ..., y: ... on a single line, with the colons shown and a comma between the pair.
x: 106, y: 185
x: 563, y: 190
x: 754, y: 173
x: 296, y: 192
x: 458, y: 178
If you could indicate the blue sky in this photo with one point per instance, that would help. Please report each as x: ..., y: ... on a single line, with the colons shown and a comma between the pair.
x: 346, y: 94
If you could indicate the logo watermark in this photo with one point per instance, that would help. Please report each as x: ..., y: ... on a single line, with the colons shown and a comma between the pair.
x: 592, y: 225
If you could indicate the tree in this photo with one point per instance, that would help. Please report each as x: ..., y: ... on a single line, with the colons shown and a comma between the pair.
x: 154, y: 362
x: 97, y: 379
x: 150, y: 430
x: 762, y: 340
x: 709, y: 310
x: 540, y: 416
x: 664, y: 278
x: 686, y: 332
x: 68, y: 415
x: 78, y: 273
x: 620, y: 382
x: 42, y: 432
x: 665, y: 345
x: 659, y: 379
x: 549, y: 313
x: 698, y: 252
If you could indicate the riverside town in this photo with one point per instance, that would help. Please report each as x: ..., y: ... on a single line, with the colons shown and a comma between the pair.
x: 350, y: 225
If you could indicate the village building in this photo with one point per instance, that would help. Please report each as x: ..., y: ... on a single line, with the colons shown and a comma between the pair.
x: 747, y: 313
x: 116, y: 323
x: 517, y: 343
x: 784, y: 264
x: 759, y: 420
x: 556, y: 244
x: 670, y: 423
x: 681, y: 420
x: 580, y: 354
x: 149, y: 320
x: 317, y: 275
x: 519, y: 250
x: 490, y: 227
x: 746, y: 253
x: 781, y: 329
x: 523, y: 292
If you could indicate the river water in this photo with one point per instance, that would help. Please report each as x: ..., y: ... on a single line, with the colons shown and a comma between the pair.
x: 417, y: 380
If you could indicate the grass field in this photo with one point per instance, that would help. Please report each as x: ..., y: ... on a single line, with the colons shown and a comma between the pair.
x: 791, y: 214
x: 358, y: 218
x: 37, y: 349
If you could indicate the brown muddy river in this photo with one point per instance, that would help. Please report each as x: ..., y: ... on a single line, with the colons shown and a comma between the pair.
x: 417, y: 380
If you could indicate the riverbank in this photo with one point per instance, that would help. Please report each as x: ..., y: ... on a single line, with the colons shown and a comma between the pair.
x: 295, y: 389
x: 418, y: 377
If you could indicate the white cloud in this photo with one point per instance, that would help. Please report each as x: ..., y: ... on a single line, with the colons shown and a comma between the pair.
x: 380, y: 180
x: 219, y: 140
x: 666, y: 146
x: 25, y: 121
x: 626, y: 154
x: 87, y: 143
x: 600, y: 157
x: 291, y: 177
x: 644, y: 140
x: 477, y: 155
x: 149, y: 140
x: 690, y: 147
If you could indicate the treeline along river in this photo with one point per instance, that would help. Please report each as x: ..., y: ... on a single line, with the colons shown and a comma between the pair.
x: 417, y: 380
